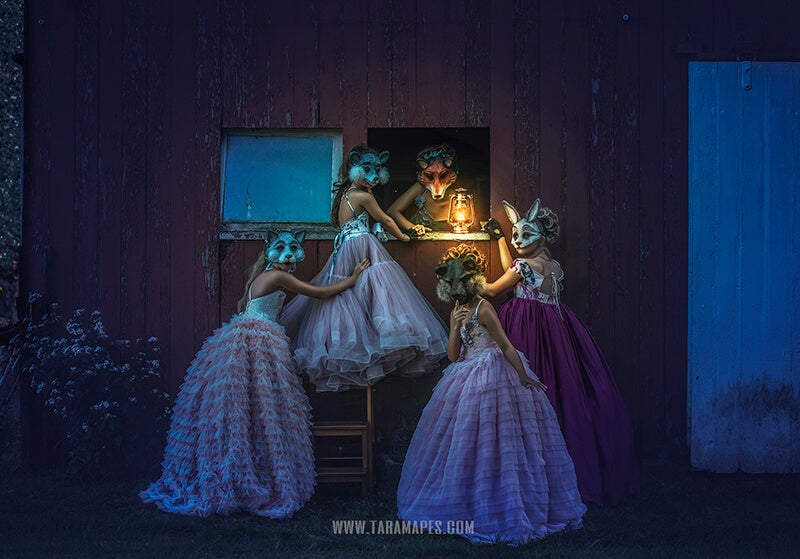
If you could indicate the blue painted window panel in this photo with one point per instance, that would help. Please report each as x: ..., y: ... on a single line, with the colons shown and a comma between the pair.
x: 744, y: 266
x: 281, y: 177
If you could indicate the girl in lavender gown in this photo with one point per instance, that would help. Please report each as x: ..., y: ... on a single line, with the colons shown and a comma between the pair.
x: 382, y: 326
x: 240, y: 438
x: 560, y: 348
x: 488, y: 451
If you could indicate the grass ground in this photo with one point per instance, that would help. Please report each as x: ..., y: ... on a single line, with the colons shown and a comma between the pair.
x: 678, y: 514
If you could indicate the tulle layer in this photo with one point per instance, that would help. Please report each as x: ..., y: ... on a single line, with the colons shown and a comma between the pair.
x: 240, y: 438
x: 489, y: 451
x: 583, y: 392
x: 382, y: 325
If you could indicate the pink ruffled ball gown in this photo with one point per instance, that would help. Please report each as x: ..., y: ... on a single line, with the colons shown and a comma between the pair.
x: 489, y: 451
x: 240, y: 438
x: 382, y: 325
x: 582, y: 388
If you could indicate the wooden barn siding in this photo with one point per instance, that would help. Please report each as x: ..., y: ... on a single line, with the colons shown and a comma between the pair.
x: 586, y: 108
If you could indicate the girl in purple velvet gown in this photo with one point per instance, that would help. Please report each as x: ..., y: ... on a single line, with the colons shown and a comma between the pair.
x: 488, y: 453
x: 560, y: 348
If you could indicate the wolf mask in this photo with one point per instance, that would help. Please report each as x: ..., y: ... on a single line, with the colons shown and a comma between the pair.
x: 461, y: 274
x: 285, y: 247
x: 368, y: 167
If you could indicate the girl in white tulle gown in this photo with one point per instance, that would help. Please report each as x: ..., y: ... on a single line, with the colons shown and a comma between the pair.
x: 240, y: 438
x: 384, y: 325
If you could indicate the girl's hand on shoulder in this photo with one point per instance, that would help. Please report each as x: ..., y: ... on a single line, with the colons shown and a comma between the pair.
x: 360, y: 267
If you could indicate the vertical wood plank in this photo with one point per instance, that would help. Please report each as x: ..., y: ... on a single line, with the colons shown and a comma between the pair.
x: 233, y: 274
x: 61, y: 195
x: 159, y: 161
x: 501, y: 127
x: 652, y: 227
x: 573, y: 246
x: 601, y: 161
x: 770, y: 388
x: 452, y: 28
x: 331, y: 64
x: 476, y: 57
x: 548, y: 183
x: 676, y: 212
x: 182, y: 200
x: 404, y: 64
x: 281, y: 69
x: 109, y: 164
x: 379, y: 59
x: 134, y: 146
x: 306, y: 55
x: 84, y: 281
x: 234, y: 85
x: 354, y: 74
x: 627, y: 261
x: 208, y: 89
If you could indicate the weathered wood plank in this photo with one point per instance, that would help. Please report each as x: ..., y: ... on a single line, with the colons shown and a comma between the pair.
x: 208, y: 92
x: 379, y: 59
x: 305, y: 112
x: 652, y: 226
x: 157, y: 192
x: 60, y: 200
x: 676, y: 273
x: 477, y: 64
x: 602, y: 32
x: 404, y: 65
x: 182, y: 191
x: 134, y: 148
x: 84, y: 282
x: 546, y: 181
x: 281, y: 68
x: 626, y: 225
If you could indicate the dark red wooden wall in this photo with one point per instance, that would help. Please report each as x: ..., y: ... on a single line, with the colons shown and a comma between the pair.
x: 585, y: 101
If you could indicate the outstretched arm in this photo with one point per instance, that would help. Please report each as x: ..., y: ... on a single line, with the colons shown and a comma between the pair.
x: 488, y: 317
x: 274, y: 279
x: 508, y: 280
x: 405, y: 200
x: 371, y: 205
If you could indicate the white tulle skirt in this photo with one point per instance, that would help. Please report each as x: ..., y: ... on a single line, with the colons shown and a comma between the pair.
x: 240, y: 435
x: 381, y: 326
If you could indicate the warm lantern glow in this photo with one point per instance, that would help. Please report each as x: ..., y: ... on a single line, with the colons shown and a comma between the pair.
x: 462, y: 211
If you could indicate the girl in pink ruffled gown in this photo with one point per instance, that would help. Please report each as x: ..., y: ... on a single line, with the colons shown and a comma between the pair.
x: 583, y: 391
x: 382, y: 326
x: 240, y: 438
x: 488, y: 451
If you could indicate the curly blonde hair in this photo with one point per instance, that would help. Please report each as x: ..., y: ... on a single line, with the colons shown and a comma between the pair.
x: 462, y: 250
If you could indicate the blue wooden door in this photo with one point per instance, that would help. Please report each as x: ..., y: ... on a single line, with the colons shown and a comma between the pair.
x: 744, y: 266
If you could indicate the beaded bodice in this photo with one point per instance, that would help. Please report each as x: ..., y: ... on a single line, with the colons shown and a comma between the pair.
x: 530, y: 286
x: 475, y: 338
x: 267, y: 307
x: 358, y: 225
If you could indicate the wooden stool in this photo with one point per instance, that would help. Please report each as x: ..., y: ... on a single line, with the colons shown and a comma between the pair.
x: 351, y: 462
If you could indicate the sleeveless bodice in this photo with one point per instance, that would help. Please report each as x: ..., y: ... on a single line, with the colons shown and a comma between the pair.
x: 267, y: 307
x: 529, y: 287
x: 475, y: 338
